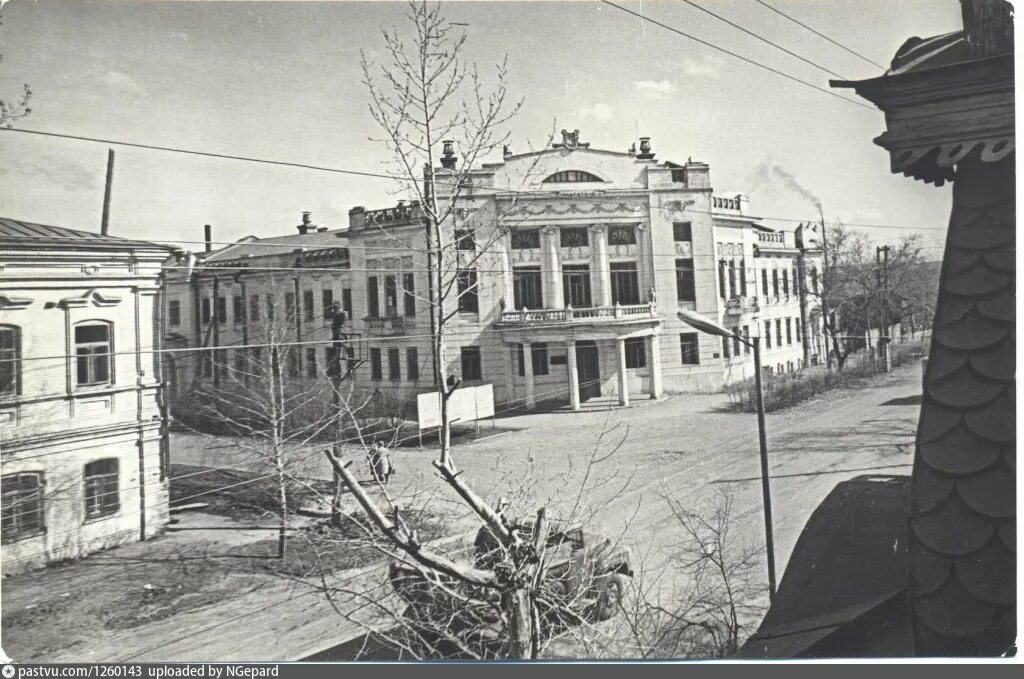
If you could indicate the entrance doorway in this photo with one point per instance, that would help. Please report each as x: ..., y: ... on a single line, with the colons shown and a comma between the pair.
x: 588, y: 368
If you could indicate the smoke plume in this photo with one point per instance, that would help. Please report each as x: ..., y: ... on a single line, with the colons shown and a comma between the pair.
x: 766, y: 173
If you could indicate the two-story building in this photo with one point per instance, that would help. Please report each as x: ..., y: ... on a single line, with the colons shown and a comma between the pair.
x: 83, y: 453
x: 562, y: 274
x: 229, y: 308
x: 579, y: 258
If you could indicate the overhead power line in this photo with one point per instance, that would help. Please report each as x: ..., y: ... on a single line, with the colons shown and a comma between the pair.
x: 740, y: 57
x: 820, y: 35
x: 764, y: 40
x: 608, y: 195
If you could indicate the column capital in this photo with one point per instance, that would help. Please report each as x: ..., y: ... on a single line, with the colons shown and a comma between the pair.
x: 598, y: 228
x: 549, y: 230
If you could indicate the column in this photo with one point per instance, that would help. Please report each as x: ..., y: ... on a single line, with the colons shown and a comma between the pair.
x: 654, y: 364
x: 574, y: 378
x: 601, y: 275
x: 644, y: 271
x: 531, y: 401
x: 623, y: 383
x: 551, y: 271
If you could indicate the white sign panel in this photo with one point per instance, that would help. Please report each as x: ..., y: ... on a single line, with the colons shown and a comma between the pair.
x: 464, y: 405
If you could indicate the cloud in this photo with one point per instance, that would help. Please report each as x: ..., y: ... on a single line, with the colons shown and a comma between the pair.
x: 122, y: 83
x: 67, y: 174
x: 599, y: 111
x: 655, y: 89
x: 700, y: 68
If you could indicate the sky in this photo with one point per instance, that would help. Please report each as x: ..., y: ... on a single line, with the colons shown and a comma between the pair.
x: 281, y: 80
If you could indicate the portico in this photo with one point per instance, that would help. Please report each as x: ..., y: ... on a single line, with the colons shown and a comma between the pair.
x: 603, y: 348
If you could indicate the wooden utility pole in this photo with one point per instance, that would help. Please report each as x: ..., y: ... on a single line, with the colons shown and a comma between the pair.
x: 882, y: 272
x: 337, y: 377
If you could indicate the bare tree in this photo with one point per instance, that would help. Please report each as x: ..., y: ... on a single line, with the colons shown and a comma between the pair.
x: 424, y: 93
x: 720, y: 599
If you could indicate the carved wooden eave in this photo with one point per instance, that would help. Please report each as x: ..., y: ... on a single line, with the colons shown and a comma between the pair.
x: 95, y: 297
x: 937, y: 115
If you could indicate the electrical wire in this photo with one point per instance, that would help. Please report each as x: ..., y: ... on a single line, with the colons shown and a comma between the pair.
x: 820, y: 35
x: 753, y: 62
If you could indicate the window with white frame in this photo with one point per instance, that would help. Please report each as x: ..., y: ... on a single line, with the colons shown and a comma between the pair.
x: 102, y: 494
x: 22, y: 505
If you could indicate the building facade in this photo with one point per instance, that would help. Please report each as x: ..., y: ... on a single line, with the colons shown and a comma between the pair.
x: 563, y: 271
x: 82, y: 447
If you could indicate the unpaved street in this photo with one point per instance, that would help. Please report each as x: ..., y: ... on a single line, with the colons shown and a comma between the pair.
x: 684, y: 446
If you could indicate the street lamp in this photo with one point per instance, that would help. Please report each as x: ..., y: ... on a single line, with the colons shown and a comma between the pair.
x: 713, y: 328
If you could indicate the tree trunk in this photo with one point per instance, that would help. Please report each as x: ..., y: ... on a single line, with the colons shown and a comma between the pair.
x: 518, y: 604
x: 276, y: 437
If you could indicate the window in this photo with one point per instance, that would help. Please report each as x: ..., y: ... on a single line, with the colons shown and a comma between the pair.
x: 527, y: 289
x: 621, y: 235
x: 10, y: 360
x: 767, y: 334
x: 101, y: 488
x: 331, y: 362
x: 289, y: 306
x: 346, y: 301
x: 685, y: 290
x: 471, y: 368
x: 409, y: 294
x: 468, y: 291
x: 732, y: 277
x: 538, y: 358
x: 775, y: 282
x: 311, y: 367
x: 292, y: 362
x: 174, y: 312
x: 525, y: 239
x: 412, y: 364
x: 789, y: 331
x: 92, y: 354
x: 327, y: 297
x: 799, y: 337
x: 575, y: 237
x: 222, y: 310
x: 390, y: 296
x: 576, y: 285
x: 309, y: 313
x: 743, y: 277
x: 778, y: 332
x: 814, y: 278
x: 465, y: 240
x: 270, y: 307
x: 625, y: 287
x: 725, y: 347
x: 785, y: 281
x: 205, y: 310
x: 736, y: 342
x: 682, y: 232
x: 237, y: 309
x: 764, y: 282
x: 254, y: 307
x: 721, y: 278
x: 256, y: 359
x: 688, y: 348
x: 746, y: 336
x: 22, y: 505
x: 376, y: 370
x: 394, y: 366
x: 636, y: 354
x: 571, y: 177
x: 372, y: 298
x: 239, y: 362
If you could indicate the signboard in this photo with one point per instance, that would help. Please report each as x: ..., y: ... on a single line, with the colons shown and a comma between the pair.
x: 464, y: 405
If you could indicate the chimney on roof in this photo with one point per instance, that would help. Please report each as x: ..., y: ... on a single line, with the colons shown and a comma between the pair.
x: 448, y: 157
x: 307, y: 225
x: 105, y: 218
x: 645, y: 149
x: 208, y: 237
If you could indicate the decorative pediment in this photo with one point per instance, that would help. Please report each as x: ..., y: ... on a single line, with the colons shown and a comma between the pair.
x: 10, y: 303
x: 94, y: 297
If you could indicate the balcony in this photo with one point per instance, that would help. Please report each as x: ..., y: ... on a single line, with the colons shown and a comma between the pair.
x: 772, y: 237
x: 391, y: 326
x: 740, y: 305
x: 593, y: 315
